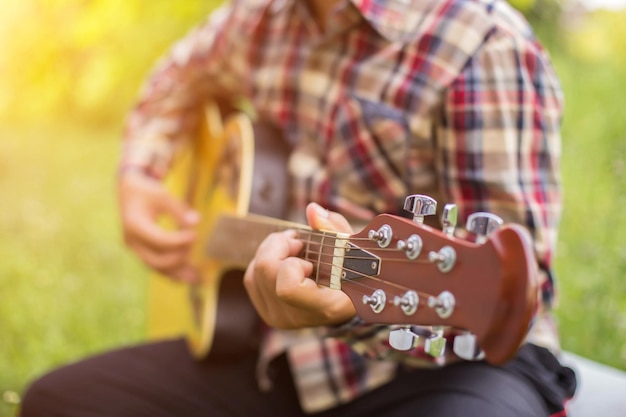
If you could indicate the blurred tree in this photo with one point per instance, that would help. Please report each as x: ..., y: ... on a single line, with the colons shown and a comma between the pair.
x: 598, y: 38
x: 85, y: 59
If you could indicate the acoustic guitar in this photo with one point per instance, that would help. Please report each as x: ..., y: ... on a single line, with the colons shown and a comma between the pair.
x: 396, y: 271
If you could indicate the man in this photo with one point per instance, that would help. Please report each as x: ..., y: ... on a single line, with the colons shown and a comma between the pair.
x: 377, y: 99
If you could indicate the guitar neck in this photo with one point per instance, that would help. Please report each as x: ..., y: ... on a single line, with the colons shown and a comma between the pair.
x: 396, y: 271
x: 234, y: 241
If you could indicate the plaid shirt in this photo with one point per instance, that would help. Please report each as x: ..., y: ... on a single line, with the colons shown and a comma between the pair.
x: 450, y: 98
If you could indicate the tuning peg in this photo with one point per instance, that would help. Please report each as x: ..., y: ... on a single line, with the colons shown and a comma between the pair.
x: 382, y: 236
x: 449, y: 218
x: 376, y: 301
x: 420, y: 205
x: 443, y: 304
x: 482, y: 224
x: 412, y: 246
x: 403, y: 339
x: 445, y: 258
x: 408, y: 302
x: 465, y: 346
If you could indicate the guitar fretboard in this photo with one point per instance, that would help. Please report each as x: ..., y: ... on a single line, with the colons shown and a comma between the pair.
x: 234, y: 241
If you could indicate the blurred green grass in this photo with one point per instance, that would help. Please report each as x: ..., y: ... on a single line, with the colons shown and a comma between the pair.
x: 591, y: 258
x: 69, y: 288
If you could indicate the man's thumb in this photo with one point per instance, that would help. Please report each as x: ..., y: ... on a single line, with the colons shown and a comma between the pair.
x: 322, y: 219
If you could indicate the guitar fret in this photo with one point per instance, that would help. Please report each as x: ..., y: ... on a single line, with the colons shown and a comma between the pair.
x: 308, y: 246
x: 324, y: 249
x: 319, y: 258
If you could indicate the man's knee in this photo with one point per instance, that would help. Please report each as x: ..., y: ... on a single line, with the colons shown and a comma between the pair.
x: 42, y: 396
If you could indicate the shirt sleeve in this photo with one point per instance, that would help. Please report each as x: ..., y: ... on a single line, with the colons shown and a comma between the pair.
x: 203, y: 64
x: 499, y: 142
x: 498, y: 147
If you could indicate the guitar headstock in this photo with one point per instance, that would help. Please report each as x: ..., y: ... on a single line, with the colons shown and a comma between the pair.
x: 401, y: 271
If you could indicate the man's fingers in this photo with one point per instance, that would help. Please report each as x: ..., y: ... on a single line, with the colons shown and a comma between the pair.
x: 271, y: 252
x: 324, y: 304
x: 161, y: 261
x: 256, y: 292
x: 143, y: 203
x: 144, y: 231
x: 185, y: 273
x: 293, y: 284
x: 184, y: 217
x: 260, y: 276
x: 276, y: 247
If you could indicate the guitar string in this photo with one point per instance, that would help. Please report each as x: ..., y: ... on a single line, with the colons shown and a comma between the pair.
x: 322, y: 234
x: 309, y: 233
x: 355, y: 239
x: 320, y: 253
x: 363, y: 257
x: 373, y: 278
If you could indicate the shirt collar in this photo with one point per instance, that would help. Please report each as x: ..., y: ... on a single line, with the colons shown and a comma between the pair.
x: 395, y: 20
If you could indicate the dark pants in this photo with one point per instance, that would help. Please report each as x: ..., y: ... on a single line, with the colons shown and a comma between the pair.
x: 162, y: 379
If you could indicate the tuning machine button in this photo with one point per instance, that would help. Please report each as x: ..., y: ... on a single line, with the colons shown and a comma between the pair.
x: 420, y: 205
x: 449, y: 218
x: 407, y: 338
x: 465, y: 346
x: 435, y: 345
x: 482, y: 224
x: 403, y: 339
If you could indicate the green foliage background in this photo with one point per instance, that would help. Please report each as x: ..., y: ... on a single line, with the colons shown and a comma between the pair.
x: 69, y: 71
x: 83, y: 59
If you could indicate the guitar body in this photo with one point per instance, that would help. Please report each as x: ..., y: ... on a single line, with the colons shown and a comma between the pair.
x: 218, y: 174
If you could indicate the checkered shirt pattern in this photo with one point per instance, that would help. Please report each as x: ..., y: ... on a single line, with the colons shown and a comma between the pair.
x: 450, y: 98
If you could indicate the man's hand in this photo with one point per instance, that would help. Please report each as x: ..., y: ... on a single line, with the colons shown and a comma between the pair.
x: 143, y: 201
x: 277, y: 283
